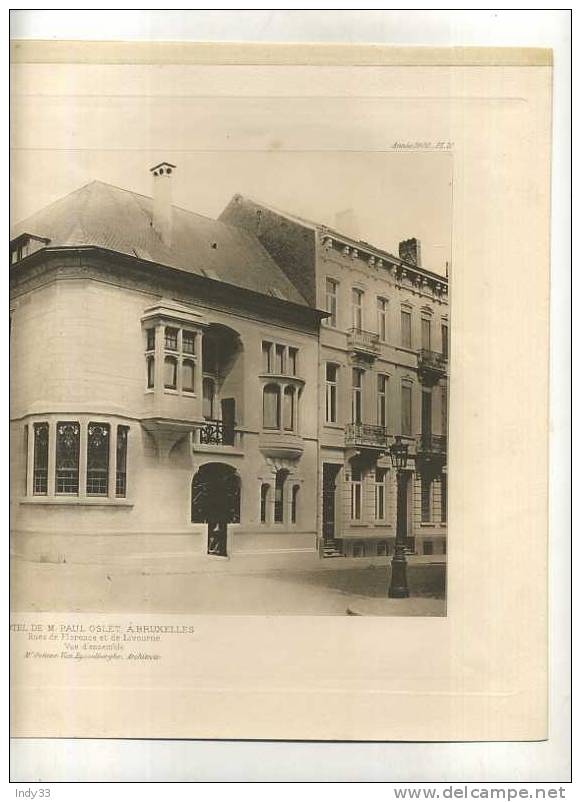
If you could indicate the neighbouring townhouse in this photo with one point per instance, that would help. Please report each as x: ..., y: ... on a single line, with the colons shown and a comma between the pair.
x: 383, y: 367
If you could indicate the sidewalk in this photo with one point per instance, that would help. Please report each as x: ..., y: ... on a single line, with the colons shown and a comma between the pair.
x: 93, y: 588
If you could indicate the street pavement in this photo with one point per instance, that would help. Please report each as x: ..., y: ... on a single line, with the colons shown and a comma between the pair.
x: 93, y: 588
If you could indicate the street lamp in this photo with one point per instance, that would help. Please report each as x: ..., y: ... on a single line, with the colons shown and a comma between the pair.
x: 398, y: 588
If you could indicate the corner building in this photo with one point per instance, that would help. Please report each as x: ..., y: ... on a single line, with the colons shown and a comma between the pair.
x: 383, y: 367
x: 164, y: 387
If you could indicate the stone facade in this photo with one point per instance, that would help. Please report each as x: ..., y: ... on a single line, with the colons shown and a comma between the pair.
x: 80, y: 351
x: 383, y: 369
x: 161, y: 415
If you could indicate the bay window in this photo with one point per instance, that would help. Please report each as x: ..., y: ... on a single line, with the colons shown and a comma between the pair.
x: 77, y: 458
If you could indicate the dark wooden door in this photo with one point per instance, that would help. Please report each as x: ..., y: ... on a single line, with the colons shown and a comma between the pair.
x: 228, y: 406
x: 329, y: 475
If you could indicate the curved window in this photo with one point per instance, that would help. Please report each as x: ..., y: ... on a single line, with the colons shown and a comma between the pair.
x: 170, y: 373
x: 281, y: 476
x: 209, y: 394
x: 150, y: 372
x: 294, y: 503
x: 289, y: 409
x: 264, y: 498
x: 188, y: 376
x: 271, y: 407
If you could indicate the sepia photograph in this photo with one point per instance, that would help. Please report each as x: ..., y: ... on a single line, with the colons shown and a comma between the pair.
x: 277, y: 449
x: 229, y: 370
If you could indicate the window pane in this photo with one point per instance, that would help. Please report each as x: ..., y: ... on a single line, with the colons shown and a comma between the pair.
x: 382, y: 400
x: 279, y: 495
x: 171, y: 338
x: 406, y: 329
x: 445, y: 340
x: 426, y: 493
x: 292, y: 356
x: 40, y: 478
x: 150, y: 372
x: 426, y: 334
x: 444, y: 410
x: 188, y: 376
x: 280, y: 366
x: 357, y: 302
x: 331, y: 302
x: 406, y: 409
x: 271, y: 407
x: 97, y: 459
x: 188, y: 342
x: 294, y: 504
x: 289, y: 409
x: 208, y: 391
x: 444, y: 498
x: 150, y: 339
x: 382, y: 319
x: 121, y: 463
x: 67, y: 457
x: 264, y: 492
x: 267, y: 357
x: 170, y: 373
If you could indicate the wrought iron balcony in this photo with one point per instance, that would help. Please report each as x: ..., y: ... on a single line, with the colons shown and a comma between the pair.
x: 365, y: 435
x: 432, y: 364
x: 432, y: 444
x: 216, y: 433
x: 364, y: 342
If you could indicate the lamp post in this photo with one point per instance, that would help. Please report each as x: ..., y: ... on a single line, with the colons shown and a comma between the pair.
x: 398, y: 588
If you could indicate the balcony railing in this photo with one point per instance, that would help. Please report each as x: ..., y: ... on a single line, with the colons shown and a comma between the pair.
x: 364, y: 341
x: 216, y: 433
x: 432, y: 444
x: 365, y: 434
x: 432, y: 361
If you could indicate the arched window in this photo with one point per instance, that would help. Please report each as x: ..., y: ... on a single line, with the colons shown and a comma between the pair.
x: 170, y: 375
x: 208, y: 393
x: 271, y: 407
x: 281, y: 476
x: 188, y: 376
x: 289, y: 409
x: 264, y: 498
x: 294, y: 503
x: 150, y: 371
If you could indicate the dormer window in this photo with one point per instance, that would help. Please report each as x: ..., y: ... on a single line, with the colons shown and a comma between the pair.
x: 24, y: 245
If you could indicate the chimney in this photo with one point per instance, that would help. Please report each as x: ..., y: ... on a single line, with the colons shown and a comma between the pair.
x: 346, y: 223
x: 162, y: 211
x: 410, y: 250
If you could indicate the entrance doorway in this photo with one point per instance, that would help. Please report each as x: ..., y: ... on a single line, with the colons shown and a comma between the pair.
x: 216, y: 501
x: 331, y: 545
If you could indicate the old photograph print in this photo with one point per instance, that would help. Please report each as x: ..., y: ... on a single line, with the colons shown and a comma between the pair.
x: 229, y: 355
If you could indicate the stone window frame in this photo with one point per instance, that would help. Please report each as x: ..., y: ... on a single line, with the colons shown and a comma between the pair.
x: 82, y: 496
x: 159, y: 318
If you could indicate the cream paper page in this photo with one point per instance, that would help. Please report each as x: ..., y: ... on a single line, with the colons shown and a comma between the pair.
x: 480, y: 672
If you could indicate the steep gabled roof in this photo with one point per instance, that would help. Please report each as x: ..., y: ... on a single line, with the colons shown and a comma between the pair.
x: 105, y: 216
